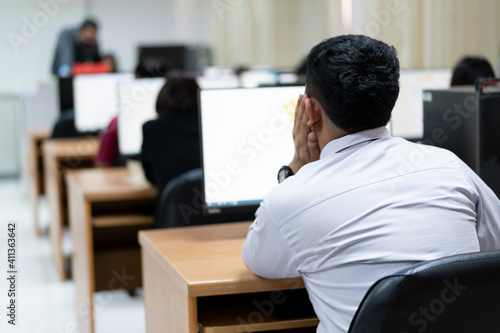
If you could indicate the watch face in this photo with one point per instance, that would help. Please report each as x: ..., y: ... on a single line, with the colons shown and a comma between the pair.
x: 284, y: 173
x: 281, y: 175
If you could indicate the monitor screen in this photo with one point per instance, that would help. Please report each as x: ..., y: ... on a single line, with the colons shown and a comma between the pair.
x: 256, y: 78
x: 407, y: 115
x: 137, y: 105
x: 246, y: 137
x: 228, y: 81
x: 95, y: 100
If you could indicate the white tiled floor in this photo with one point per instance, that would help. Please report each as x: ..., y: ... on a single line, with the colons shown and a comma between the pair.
x: 44, y: 304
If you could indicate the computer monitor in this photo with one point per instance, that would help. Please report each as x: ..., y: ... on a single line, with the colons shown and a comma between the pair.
x: 96, y: 100
x: 246, y: 136
x: 180, y: 57
x: 137, y: 105
x: 227, y: 81
x: 256, y: 78
x: 407, y: 115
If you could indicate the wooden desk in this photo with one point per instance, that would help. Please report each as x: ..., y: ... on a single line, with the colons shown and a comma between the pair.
x: 60, y: 155
x: 194, y: 278
x: 35, y: 171
x: 106, y: 210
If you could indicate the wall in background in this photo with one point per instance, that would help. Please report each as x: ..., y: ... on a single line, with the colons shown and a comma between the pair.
x: 279, y: 33
x: 432, y: 33
x: 28, y: 34
x: 427, y: 33
x: 29, y: 31
x: 126, y: 24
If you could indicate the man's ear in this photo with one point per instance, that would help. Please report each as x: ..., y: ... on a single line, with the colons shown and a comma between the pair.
x: 314, y: 110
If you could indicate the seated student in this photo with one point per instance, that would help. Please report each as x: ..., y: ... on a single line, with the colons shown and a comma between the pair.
x: 65, y: 126
x: 109, y: 154
x: 110, y: 61
x: 171, y: 143
x: 359, y: 204
x: 469, y: 69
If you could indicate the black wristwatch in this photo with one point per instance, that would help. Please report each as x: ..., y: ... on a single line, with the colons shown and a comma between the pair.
x: 284, y: 173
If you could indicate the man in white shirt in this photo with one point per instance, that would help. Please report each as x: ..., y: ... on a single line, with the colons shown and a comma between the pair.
x: 360, y: 204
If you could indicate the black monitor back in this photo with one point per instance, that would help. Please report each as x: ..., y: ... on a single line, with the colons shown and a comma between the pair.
x: 175, y: 57
x: 466, y: 122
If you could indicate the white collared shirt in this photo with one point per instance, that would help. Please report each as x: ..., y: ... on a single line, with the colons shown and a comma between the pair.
x: 371, y: 205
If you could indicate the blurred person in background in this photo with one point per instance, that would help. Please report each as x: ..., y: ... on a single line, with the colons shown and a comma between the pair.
x: 171, y: 143
x: 76, y: 45
x: 469, y: 69
x: 108, y: 154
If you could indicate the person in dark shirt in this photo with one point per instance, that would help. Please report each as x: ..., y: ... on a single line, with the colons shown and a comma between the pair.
x: 469, y: 69
x: 109, y: 154
x: 76, y: 45
x: 171, y: 143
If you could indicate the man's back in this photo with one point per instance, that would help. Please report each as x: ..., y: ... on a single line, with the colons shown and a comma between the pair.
x: 371, y: 205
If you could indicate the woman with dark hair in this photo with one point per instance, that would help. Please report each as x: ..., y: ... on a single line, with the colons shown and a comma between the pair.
x: 171, y: 143
x: 469, y: 69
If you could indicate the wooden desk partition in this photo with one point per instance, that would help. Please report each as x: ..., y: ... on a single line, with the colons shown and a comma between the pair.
x: 35, y: 171
x: 60, y: 155
x: 195, y: 280
x: 106, y: 210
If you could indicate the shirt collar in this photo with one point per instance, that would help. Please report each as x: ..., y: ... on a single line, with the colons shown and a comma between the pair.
x: 350, y: 140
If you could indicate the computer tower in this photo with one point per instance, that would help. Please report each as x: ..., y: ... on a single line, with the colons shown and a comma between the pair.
x: 466, y: 121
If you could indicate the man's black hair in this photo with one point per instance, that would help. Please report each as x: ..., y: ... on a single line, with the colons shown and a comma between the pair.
x: 355, y: 79
x: 469, y: 69
x: 89, y: 23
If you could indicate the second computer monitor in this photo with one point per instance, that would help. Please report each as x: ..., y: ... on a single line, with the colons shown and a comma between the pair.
x: 137, y: 105
x: 246, y: 137
x: 407, y: 115
x: 96, y: 100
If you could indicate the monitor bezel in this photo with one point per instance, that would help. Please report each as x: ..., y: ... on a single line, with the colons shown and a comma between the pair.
x: 133, y: 156
x: 227, y: 209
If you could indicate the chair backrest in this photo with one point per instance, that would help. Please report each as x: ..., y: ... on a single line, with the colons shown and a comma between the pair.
x: 181, y: 204
x: 454, y: 294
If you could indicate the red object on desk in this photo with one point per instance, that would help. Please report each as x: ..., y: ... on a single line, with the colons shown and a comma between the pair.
x: 91, y: 68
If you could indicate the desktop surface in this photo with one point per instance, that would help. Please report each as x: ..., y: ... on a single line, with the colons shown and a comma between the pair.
x: 108, y: 184
x: 206, y: 260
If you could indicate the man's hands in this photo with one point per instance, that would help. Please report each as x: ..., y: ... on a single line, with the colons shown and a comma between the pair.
x: 306, y: 142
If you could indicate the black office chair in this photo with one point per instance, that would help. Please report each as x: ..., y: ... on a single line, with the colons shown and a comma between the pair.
x: 180, y: 204
x: 454, y: 294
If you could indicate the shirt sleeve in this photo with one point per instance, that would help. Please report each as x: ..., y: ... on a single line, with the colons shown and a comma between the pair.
x: 265, y: 251
x: 65, y: 50
x: 487, y: 209
x: 108, y: 150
